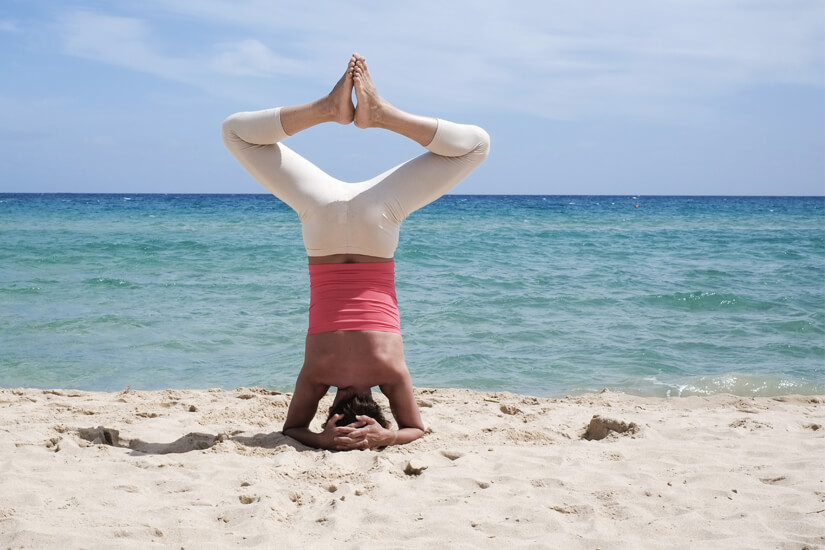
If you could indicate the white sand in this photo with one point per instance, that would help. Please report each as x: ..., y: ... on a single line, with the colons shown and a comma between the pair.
x: 497, y: 471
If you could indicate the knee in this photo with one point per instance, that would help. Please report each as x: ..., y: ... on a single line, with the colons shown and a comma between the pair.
x: 477, y: 143
x: 228, y: 127
x: 483, y: 142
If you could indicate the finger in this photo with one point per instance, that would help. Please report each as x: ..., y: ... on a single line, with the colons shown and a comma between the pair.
x: 366, y: 419
x: 350, y: 445
x: 355, y: 435
x: 347, y: 445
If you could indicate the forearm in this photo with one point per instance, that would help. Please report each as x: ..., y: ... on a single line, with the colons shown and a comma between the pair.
x: 307, y: 437
x: 405, y: 435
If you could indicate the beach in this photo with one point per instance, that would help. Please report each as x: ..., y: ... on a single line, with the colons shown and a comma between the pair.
x: 210, y: 469
x: 701, y: 315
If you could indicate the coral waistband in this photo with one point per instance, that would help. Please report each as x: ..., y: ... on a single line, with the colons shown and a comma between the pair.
x: 359, y: 296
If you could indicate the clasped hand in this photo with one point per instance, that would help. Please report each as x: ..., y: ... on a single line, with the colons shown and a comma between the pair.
x: 364, y: 433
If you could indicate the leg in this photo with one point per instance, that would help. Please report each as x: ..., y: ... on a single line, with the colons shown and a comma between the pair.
x: 335, y: 107
x: 373, y: 111
x: 253, y: 138
x: 455, y: 150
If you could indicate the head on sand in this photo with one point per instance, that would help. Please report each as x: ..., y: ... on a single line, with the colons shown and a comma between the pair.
x: 355, y: 405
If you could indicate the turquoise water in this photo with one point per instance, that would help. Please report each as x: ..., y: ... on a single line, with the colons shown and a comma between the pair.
x: 538, y: 295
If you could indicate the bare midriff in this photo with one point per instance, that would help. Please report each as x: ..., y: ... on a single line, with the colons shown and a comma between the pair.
x: 355, y: 359
x: 346, y: 259
x: 363, y: 358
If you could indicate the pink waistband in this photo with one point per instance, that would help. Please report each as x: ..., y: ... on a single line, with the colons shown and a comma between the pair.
x: 357, y: 296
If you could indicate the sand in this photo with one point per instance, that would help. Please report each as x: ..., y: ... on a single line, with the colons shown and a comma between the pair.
x: 207, y: 469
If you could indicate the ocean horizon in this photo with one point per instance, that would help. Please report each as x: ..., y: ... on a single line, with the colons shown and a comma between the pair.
x: 545, y: 295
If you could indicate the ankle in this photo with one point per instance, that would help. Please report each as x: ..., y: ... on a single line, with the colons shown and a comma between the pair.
x: 324, y: 109
x: 333, y: 111
x: 385, y: 116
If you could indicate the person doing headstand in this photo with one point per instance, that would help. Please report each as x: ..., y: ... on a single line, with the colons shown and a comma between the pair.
x: 350, y: 231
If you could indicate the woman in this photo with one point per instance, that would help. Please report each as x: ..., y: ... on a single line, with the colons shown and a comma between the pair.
x: 350, y: 231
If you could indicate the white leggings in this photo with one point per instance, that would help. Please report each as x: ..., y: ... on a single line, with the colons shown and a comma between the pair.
x: 352, y: 218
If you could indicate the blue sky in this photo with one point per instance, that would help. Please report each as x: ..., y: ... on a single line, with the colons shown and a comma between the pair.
x: 601, y: 97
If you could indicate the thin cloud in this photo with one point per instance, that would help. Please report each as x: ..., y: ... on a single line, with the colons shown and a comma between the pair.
x: 9, y: 26
x: 121, y: 41
x: 253, y: 58
x: 640, y: 58
x: 132, y: 43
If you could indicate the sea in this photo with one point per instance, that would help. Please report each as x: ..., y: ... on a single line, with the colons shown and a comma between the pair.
x: 538, y: 295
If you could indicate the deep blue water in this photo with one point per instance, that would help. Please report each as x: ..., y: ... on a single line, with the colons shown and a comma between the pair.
x: 538, y: 295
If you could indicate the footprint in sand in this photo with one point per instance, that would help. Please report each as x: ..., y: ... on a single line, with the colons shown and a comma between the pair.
x: 772, y: 480
x: 100, y: 436
x: 190, y: 442
x: 749, y: 424
x: 510, y: 409
x: 574, y: 509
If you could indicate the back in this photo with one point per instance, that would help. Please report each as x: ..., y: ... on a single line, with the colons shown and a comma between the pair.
x: 362, y: 358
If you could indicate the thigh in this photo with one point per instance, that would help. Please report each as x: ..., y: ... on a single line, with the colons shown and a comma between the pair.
x: 287, y: 175
x: 418, y: 182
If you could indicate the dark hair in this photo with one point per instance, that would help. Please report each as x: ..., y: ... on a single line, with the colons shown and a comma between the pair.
x: 358, y: 404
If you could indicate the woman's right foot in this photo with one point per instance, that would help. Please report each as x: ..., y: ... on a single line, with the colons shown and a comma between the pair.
x: 369, y: 112
x: 339, y: 100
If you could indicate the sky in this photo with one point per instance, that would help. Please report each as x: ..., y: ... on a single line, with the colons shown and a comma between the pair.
x: 638, y: 97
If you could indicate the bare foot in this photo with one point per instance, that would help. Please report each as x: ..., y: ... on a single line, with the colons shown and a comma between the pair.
x: 369, y: 111
x: 339, y: 100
